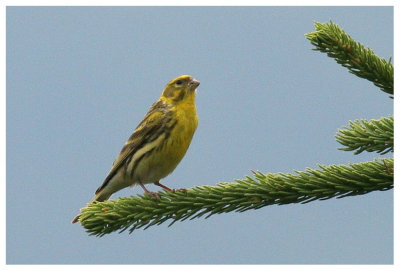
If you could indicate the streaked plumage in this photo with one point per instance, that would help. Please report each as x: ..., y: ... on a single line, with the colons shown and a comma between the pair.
x: 158, y: 143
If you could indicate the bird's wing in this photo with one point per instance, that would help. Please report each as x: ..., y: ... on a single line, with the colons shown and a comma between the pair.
x: 148, y: 130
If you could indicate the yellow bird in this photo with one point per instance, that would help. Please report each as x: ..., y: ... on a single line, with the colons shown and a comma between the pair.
x: 158, y: 143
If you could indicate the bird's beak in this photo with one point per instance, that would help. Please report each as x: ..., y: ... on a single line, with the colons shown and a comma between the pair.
x: 194, y: 83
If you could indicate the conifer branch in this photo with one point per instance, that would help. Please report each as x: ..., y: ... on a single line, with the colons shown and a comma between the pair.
x: 331, y: 39
x: 364, y: 135
x: 261, y: 190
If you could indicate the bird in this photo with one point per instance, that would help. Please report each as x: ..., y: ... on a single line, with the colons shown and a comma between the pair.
x: 158, y: 143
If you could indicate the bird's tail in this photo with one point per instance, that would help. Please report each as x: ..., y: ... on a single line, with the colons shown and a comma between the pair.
x: 100, y: 196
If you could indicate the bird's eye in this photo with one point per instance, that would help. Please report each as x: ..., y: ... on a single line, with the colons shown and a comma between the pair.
x: 179, y: 82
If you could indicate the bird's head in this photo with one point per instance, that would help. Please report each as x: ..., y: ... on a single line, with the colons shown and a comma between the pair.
x: 181, y: 88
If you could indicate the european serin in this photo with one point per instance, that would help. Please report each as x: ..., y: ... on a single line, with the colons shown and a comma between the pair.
x: 158, y: 143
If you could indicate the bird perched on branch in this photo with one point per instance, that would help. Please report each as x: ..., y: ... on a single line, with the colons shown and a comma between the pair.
x: 158, y: 143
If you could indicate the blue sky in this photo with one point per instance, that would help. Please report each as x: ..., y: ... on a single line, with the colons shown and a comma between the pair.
x: 79, y: 80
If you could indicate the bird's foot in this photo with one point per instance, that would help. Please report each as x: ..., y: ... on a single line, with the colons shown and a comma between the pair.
x: 170, y: 189
x: 154, y: 194
x: 180, y: 190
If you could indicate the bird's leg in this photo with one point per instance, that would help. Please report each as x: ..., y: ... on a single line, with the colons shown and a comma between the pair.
x: 169, y: 189
x: 165, y: 187
x: 155, y: 194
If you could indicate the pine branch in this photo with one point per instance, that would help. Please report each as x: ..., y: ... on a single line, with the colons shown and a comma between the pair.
x: 364, y: 135
x: 331, y: 39
x: 246, y: 194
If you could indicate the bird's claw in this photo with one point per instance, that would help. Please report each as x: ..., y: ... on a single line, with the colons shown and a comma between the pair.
x: 180, y: 190
x: 154, y: 194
